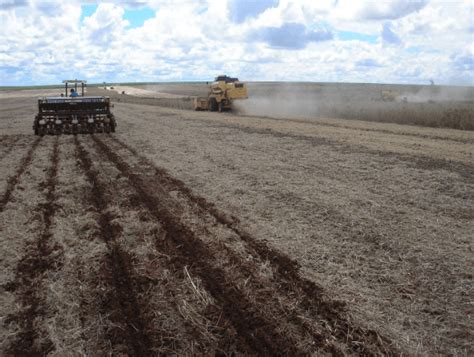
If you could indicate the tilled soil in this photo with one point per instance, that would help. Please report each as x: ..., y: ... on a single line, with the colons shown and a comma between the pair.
x: 201, y: 233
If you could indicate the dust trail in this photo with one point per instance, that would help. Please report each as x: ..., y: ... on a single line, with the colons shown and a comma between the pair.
x: 280, y: 101
x: 15, y: 179
x: 40, y: 257
x: 427, y: 94
x: 434, y: 106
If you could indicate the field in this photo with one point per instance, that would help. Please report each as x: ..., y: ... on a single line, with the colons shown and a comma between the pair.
x: 432, y: 106
x: 196, y: 233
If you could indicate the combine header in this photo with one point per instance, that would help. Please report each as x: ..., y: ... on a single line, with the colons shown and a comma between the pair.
x: 76, y: 114
x: 222, y: 92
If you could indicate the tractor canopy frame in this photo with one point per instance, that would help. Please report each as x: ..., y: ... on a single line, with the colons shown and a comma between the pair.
x: 75, y: 82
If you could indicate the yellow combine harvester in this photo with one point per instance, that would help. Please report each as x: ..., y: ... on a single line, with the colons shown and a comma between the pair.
x: 389, y: 95
x: 222, y: 92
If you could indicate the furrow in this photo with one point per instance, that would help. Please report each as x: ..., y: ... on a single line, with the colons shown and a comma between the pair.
x: 122, y: 304
x: 40, y: 257
x: 260, y: 332
x: 15, y: 179
x: 313, y: 297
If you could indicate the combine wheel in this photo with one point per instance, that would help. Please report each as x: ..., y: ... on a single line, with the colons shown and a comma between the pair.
x: 212, y: 104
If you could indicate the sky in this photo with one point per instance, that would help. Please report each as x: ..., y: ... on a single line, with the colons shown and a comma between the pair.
x: 387, y: 41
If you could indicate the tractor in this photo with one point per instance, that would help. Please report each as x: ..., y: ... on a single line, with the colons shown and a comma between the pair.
x: 74, y: 114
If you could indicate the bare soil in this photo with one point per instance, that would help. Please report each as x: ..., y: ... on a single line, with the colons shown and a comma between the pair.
x: 195, y: 233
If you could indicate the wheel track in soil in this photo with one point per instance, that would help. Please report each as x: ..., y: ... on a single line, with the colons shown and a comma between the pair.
x: 15, y: 179
x: 218, y: 326
x: 359, y: 340
x: 122, y: 304
x: 163, y: 340
x: 39, y: 258
x: 221, y: 328
x: 260, y: 341
x: 260, y: 333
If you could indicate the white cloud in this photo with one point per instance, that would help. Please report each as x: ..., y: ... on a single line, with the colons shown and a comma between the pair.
x: 106, y: 25
x: 384, y: 10
x: 44, y: 42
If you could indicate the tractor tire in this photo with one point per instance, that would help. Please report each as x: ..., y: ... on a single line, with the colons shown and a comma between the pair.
x: 212, y: 104
x: 113, y: 124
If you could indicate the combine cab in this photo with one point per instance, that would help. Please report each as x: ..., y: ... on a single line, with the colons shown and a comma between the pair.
x: 75, y: 114
x: 222, y: 92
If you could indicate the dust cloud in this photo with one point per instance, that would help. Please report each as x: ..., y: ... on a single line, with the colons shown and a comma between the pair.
x: 282, y: 100
x: 408, y: 104
x: 439, y: 94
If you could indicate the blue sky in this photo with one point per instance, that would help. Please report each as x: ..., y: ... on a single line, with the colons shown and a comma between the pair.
x: 356, y: 36
x: 394, y: 41
x: 135, y: 16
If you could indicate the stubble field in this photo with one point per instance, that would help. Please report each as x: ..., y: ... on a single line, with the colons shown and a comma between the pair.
x: 195, y: 233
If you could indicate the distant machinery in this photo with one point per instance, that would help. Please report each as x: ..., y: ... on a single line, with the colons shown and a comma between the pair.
x: 223, y: 91
x: 389, y: 95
